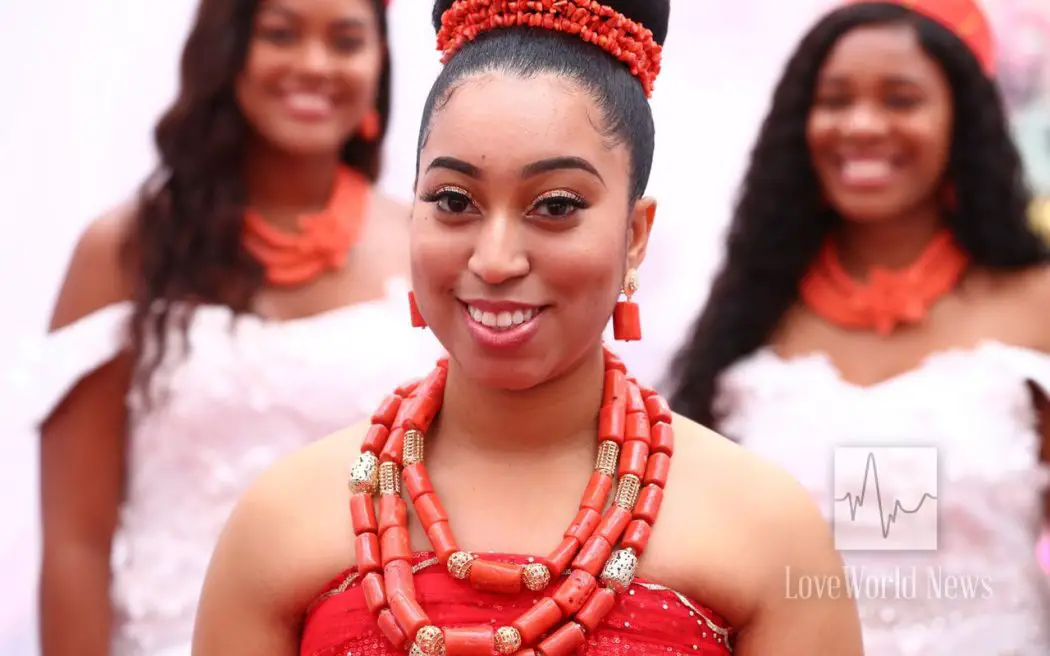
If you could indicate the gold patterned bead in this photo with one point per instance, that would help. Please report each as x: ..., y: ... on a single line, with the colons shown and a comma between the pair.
x: 459, y: 564
x: 413, y: 449
x: 414, y: 650
x: 364, y: 473
x: 627, y: 491
x: 430, y: 641
x: 390, y: 479
x: 618, y: 572
x: 608, y: 454
x: 536, y: 576
x: 508, y: 640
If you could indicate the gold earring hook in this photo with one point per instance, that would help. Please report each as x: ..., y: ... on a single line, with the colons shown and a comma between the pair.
x: 630, y: 284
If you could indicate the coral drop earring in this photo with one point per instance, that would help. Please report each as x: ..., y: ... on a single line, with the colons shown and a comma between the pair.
x: 627, y: 322
x: 417, y: 318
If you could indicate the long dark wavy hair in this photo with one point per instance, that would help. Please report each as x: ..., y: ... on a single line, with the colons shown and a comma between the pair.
x: 778, y: 224
x: 185, y: 246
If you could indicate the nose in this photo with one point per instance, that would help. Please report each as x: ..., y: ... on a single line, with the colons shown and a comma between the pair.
x: 314, y: 57
x: 498, y: 254
x: 865, y: 120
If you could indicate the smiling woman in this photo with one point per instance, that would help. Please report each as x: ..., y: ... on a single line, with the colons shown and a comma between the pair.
x: 529, y: 226
x: 260, y: 245
x: 884, y: 288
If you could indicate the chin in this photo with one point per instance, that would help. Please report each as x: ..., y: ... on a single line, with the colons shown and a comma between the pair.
x: 499, y: 374
x: 308, y: 143
x: 513, y: 372
x: 870, y: 211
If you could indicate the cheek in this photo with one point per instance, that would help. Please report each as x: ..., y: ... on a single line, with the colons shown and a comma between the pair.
x: 578, y: 264
x: 250, y: 84
x: 359, y: 76
x: 931, y: 136
x: 819, y: 132
x: 438, y: 256
x: 582, y: 274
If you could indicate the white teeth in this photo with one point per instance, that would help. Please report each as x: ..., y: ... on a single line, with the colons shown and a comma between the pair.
x: 501, y: 320
x: 866, y: 170
x: 308, y: 102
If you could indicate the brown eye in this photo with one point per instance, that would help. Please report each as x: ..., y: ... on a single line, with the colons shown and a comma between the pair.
x: 558, y: 205
x: 450, y: 200
x: 453, y: 202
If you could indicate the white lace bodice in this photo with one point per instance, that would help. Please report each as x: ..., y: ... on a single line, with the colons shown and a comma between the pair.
x: 981, y: 592
x: 246, y: 395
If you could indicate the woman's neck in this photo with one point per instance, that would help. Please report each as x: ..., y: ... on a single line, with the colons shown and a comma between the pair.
x: 892, y: 244
x: 281, y: 186
x: 559, y: 414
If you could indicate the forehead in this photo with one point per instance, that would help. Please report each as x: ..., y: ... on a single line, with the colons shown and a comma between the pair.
x: 880, y: 51
x: 504, y: 121
x: 358, y: 10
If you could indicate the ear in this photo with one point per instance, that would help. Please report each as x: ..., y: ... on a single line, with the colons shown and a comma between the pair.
x: 641, y: 224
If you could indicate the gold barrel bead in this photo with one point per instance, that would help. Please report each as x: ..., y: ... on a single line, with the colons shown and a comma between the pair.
x: 390, y: 479
x: 413, y: 449
x: 608, y: 455
x: 627, y: 491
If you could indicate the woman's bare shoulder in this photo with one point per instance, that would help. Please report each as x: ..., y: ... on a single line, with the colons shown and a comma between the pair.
x: 295, y: 512
x: 748, y: 486
x: 95, y: 276
x: 743, y: 511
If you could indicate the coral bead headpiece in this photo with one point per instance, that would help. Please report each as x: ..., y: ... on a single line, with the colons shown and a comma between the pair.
x: 626, y: 40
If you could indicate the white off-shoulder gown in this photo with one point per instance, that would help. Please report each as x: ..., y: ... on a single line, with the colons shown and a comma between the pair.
x: 249, y: 392
x: 980, y: 592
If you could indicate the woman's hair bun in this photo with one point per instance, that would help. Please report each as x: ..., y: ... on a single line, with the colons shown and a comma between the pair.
x: 652, y: 14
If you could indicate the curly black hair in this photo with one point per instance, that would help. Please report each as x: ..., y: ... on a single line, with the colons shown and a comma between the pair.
x: 186, y: 241
x: 779, y: 223
x: 528, y: 51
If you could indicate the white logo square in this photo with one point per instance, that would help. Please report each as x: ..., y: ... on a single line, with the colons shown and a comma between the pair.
x: 885, y: 498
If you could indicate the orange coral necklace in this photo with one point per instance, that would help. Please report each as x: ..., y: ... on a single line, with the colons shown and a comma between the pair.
x: 599, y: 552
x: 889, y: 298
x: 323, y: 240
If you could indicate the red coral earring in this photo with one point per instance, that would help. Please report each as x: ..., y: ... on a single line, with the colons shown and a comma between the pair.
x: 627, y: 323
x: 417, y: 318
x: 369, y: 128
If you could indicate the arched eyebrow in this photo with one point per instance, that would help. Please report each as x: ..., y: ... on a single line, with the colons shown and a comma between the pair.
x: 528, y: 171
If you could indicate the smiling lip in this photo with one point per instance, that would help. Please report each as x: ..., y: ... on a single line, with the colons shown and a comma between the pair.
x: 307, y: 106
x: 866, y: 172
x: 501, y: 325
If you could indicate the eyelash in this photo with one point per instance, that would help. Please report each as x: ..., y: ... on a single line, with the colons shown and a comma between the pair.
x: 574, y: 200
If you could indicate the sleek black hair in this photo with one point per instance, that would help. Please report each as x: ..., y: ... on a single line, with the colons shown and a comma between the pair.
x: 778, y: 224
x: 529, y: 51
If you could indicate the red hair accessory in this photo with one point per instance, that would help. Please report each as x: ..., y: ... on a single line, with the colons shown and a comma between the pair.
x: 621, y: 37
x: 964, y: 18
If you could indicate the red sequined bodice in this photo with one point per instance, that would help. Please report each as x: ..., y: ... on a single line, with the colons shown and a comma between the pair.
x: 648, y: 620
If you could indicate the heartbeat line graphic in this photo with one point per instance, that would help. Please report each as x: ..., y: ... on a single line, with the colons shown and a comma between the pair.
x: 856, y: 503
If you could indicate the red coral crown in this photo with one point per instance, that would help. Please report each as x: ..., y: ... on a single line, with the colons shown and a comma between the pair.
x: 964, y: 18
x: 623, y: 38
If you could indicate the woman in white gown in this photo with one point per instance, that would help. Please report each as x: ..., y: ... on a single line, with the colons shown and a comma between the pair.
x: 883, y: 289
x: 249, y: 300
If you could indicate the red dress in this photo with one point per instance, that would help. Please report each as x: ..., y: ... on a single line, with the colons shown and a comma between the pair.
x: 648, y: 619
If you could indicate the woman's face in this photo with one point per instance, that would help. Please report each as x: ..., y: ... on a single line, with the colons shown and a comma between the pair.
x: 880, y: 127
x: 522, y: 229
x: 311, y: 74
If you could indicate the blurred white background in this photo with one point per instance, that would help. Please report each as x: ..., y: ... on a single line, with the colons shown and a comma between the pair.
x: 84, y: 82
